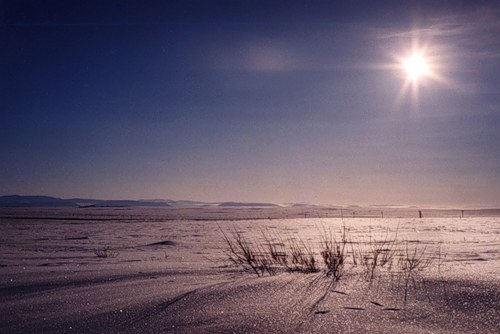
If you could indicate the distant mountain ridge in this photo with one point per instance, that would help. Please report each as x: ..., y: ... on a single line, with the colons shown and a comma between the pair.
x: 238, y: 204
x: 49, y: 201
x: 44, y: 201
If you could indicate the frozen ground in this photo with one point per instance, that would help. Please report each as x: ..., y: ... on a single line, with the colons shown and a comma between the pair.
x: 170, y: 273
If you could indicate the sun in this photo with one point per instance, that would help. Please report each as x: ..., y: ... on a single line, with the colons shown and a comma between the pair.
x: 422, y: 65
x: 420, y: 68
x: 416, y: 67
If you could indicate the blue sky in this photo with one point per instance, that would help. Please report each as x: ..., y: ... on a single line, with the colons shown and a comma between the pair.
x: 279, y: 101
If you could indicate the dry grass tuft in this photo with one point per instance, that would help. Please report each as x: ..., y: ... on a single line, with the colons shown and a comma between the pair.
x: 411, y: 262
x: 334, y: 253
x: 105, y: 252
x: 375, y: 259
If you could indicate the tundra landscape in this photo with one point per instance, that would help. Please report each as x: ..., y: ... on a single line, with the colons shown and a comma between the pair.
x: 259, y: 166
x: 169, y: 270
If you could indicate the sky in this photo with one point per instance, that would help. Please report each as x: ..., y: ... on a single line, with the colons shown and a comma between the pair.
x: 268, y: 101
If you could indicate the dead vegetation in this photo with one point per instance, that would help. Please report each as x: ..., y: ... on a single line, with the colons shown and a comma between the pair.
x: 105, y: 252
x: 335, y: 254
x: 379, y: 260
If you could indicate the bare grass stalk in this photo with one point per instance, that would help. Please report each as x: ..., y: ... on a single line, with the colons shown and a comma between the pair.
x: 240, y: 252
x: 334, y: 253
x: 302, y: 257
x: 411, y: 262
x: 376, y: 254
x: 276, y: 249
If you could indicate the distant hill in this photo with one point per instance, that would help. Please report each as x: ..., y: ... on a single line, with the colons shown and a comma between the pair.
x: 48, y: 201
x: 16, y: 200
x: 238, y: 204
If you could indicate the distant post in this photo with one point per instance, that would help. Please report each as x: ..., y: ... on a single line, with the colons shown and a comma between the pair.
x: 420, y: 215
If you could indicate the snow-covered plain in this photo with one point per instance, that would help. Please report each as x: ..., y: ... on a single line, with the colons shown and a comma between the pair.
x: 168, y: 272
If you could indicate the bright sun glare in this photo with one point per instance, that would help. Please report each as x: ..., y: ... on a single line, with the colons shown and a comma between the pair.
x: 416, y: 67
x: 420, y: 68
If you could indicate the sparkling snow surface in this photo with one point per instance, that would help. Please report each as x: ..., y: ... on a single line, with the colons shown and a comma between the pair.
x: 168, y: 273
